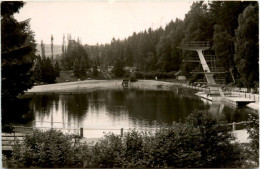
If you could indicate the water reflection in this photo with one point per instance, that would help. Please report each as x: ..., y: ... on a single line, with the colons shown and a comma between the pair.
x: 114, y: 109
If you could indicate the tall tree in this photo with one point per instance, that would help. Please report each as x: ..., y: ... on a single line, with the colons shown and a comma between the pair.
x: 118, y: 69
x: 247, y: 46
x: 83, y: 68
x: 42, y: 49
x: 57, y: 69
x: 76, y: 68
x: 48, y: 72
x: 37, y: 71
x: 52, y: 48
x: 17, y: 54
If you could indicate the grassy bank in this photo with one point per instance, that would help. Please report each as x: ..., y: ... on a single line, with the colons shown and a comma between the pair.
x: 103, y: 84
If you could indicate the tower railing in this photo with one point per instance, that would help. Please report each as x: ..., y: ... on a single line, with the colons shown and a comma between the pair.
x: 195, y: 44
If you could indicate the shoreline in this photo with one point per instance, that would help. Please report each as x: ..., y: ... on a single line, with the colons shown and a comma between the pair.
x: 90, y: 85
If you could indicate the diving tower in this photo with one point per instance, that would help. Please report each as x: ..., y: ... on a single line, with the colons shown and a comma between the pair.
x: 199, y: 47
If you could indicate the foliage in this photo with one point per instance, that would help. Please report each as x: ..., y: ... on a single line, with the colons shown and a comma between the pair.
x: 83, y: 67
x: 49, y: 73
x: 119, y: 69
x: 247, y: 46
x: 203, y: 140
x: 76, y: 68
x: 132, y: 78
x: 45, y: 71
x: 75, y: 51
x: 95, y: 71
x: 157, y: 50
x: 17, y: 54
x: 253, y: 130
x: 45, y: 149
x: 37, y: 72
x: 57, y: 69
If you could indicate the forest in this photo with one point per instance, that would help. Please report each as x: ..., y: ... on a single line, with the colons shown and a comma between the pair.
x: 231, y: 28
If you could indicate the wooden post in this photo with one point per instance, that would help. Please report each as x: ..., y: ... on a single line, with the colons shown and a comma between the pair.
x: 122, y: 132
x: 81, y: 132
x: 234, y: 126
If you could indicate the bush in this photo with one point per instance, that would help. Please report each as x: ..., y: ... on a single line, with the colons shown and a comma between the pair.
x: 253, y: 131
x: 202, y: 141
x: 46, y: 149
x: 132, y: 78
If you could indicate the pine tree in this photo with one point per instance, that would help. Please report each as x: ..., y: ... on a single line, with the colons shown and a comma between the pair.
x: 48, y: 72
x: 118, y: 69
x: 83, y: 68
x: 17, y: 54
x: 76, y: 68
x: 95, y: 71
x: 57, y: 69
x: 37, y: 72
x: 246, y: 46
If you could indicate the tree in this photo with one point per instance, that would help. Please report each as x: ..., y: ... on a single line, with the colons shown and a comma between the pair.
x: 17, y: 54
x: 246, y: 46
x: 37, y: 71
x: 216, y: 149
x: 57, y: 69
x: 253, y: 130
x: 48, y: 73
x: 75, y: 50
x: 83, y: 68
x: 76, y: 68
x: 118, y: 69
x: 95, y: 71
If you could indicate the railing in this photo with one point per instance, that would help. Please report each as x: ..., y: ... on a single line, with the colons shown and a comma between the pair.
x: 77, y: 131
x: 80, y: 131
x: 234, y: 124
x: 195, y: 44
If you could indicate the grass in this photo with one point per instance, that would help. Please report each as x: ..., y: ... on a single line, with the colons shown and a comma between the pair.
x: 66, y: 75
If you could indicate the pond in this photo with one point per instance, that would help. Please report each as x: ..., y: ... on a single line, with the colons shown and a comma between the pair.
x: 110, y: 110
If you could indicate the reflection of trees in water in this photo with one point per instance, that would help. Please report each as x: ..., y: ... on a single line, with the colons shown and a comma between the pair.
x: 139, y: 106
x: 151, y: 105
x: 76, y: 106
x: 18, y: 112
x: 42, y: 105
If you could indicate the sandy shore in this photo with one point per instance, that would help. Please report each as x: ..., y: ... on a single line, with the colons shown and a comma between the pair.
x: 88, y: 85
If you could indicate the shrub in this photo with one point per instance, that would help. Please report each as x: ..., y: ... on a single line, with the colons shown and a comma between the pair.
x: 106, y: 153
x: 253, y: 131
x: 45, y: 149
x: 202, y: 141
x: 132, y: 78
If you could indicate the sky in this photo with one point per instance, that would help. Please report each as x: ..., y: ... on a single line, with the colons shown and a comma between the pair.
x: 98, y: 22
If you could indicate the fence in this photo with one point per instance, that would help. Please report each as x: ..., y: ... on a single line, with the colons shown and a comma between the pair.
x: 86, y: 132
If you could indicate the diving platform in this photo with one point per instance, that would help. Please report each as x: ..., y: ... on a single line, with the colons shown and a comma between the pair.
x: 208, y: 72
x: 195, y: 45
x: 204, y: 60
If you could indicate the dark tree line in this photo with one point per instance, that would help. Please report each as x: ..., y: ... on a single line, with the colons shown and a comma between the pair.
x: 230, y: 27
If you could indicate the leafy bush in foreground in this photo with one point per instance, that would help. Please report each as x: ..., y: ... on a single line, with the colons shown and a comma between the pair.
x: 45, y: 149
x: 202, y: 141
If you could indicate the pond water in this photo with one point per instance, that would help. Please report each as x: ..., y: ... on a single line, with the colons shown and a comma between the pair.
x: 109, y: 110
